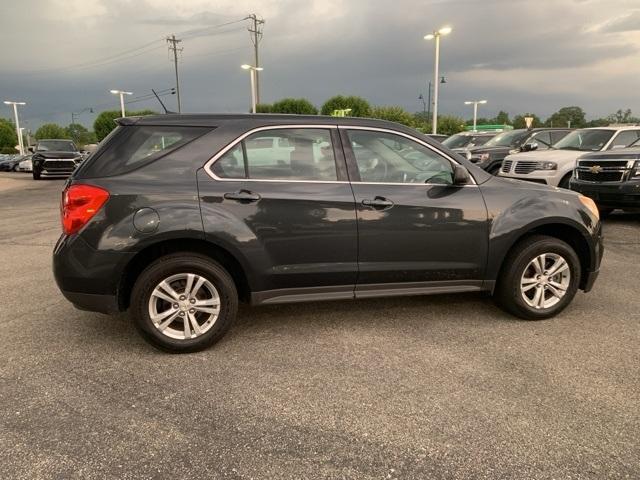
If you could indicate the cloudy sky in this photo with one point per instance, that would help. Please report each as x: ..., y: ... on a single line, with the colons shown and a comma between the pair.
x: 63, y: 56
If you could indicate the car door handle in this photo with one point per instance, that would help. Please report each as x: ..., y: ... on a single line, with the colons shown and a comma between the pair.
x: 244, y: 196
x: 379, y: 203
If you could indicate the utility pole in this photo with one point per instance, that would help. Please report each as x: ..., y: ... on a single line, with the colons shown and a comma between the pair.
x: 173, y: 46
x: 255, y: 31
x: 18, y: 130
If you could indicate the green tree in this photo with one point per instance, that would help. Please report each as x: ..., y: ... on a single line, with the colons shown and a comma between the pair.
x: 105, y: 122
x: 51, y: 130
x: 519, y: 121
x: 8, y: 137
x: 480, y: 121
x: 393, y: 114
x: 79, y: 134
x: 450, y: 124
x: 264, y: 108
x: 358, y: 105
x: 501, y: 119
x: 298, y: 106
x: 562, y: 117
x: 623, y: 116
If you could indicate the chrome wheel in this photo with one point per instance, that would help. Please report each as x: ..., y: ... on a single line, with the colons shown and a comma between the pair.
x: 545, y: 281
x: 184, y: 306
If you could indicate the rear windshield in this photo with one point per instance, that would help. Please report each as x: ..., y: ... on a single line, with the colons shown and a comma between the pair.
x: 130, y: 147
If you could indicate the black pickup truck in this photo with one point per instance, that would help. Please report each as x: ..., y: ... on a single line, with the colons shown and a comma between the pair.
x: 55, y: 158
x: 611, y: 178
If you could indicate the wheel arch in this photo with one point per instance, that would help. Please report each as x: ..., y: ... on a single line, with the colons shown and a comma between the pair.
x: 150, y: 253
x: 569, y: 233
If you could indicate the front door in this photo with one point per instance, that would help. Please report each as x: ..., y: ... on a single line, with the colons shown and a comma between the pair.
x: 281, y: 197
x: 415, y: 227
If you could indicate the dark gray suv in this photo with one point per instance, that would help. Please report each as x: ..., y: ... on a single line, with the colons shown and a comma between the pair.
x: 178, y: 217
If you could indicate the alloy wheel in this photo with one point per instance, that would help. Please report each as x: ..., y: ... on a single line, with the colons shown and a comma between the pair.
x: 545, y: 281
x: 184, y: 306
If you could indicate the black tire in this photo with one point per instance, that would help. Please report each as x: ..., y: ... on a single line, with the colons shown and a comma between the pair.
x: 508, y: 293
x: 15, y: 168
x: 564, y: 183
x: 36, y: 175
x: 174, y: 264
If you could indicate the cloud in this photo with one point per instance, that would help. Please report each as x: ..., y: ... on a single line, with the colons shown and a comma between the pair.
x: 521, y: 55
x: 629, y: 22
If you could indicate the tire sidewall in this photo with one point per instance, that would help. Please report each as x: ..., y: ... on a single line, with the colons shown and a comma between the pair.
x: 522, y: 260
x: 175, y: 264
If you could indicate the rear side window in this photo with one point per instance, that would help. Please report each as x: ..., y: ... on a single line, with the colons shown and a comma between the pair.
x: 131, y: 147
x: 298, y: 154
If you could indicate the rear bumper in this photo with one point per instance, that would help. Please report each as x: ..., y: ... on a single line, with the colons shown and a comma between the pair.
x: 93, y: 302
x: 87, y: 277
x: 619, y: 195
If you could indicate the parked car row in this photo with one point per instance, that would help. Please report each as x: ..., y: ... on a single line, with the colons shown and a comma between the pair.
x: 600, y: 161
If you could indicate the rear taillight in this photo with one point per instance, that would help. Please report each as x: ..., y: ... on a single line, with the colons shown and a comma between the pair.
x: 79, y: 204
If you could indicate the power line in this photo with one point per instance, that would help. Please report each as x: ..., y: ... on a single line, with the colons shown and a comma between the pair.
x: 173, y: 46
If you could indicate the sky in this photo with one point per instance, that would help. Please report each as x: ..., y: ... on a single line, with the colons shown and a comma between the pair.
x: 63, y: 56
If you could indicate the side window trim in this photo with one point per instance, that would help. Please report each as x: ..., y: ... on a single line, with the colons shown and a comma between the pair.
x: 354, y: 174
x: 240, y: 140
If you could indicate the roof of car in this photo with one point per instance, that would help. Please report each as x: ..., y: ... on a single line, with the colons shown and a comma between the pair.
x: 213, y: 120
x: 615, y: 127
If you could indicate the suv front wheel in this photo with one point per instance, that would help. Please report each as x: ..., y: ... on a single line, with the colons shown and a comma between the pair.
x: 184, y: 302
x: 540, y: 278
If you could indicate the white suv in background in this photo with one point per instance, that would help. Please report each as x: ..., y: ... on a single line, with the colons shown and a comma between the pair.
x: 555, y: 166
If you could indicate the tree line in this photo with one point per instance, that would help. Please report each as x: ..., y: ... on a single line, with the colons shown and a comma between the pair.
x: 349, y: 105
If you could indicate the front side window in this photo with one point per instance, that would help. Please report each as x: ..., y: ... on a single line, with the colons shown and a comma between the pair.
x: 389, y: 158
x: 624, y: 139
x: 588, y: 140
x: 543, y: 139
x: 304, y: 154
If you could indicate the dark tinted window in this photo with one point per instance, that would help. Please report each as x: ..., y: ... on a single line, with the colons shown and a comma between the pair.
x: 283, y: 154
x: 131, y: 147
x: 56, y: 146
x: 558, y: 135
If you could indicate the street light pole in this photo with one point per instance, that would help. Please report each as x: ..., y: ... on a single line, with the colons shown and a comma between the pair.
x: 475, y: 104
x: 18, y: 131
x: 122, y: 94
x: 254, y: 94
x: 436, y: 74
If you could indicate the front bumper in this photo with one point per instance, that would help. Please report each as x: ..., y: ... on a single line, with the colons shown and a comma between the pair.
x: 545, y: 177
x: 87, y: 277
x: 618, y: 195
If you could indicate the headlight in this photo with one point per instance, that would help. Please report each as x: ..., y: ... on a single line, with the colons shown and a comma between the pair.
x: 636, y: 172
x: 514, y: 151
x: 591, y: 205
x: 547, y: 166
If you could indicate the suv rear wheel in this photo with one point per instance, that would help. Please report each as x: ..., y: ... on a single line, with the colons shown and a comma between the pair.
x: 540, y: 278
x: 184, y: 302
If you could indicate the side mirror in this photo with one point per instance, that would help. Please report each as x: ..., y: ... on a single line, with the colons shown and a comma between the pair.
x: 461, y: 175
x: 527, y: 147
x: 31, y: 149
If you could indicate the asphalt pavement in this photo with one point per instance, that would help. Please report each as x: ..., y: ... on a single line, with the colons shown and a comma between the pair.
x: 413, y: 388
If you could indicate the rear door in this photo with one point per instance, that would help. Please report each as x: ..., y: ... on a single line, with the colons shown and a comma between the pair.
x: 280, y: 197
x: 416, y: 229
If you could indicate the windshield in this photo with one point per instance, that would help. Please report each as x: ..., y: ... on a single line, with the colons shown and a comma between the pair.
x: 635, y: 144
x: 460, y: 140
x: 585, y: 140
x: 56, y: 146
x: 508, y: 139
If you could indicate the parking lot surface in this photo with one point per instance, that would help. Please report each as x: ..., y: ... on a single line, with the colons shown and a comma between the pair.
x: 420, y: 387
